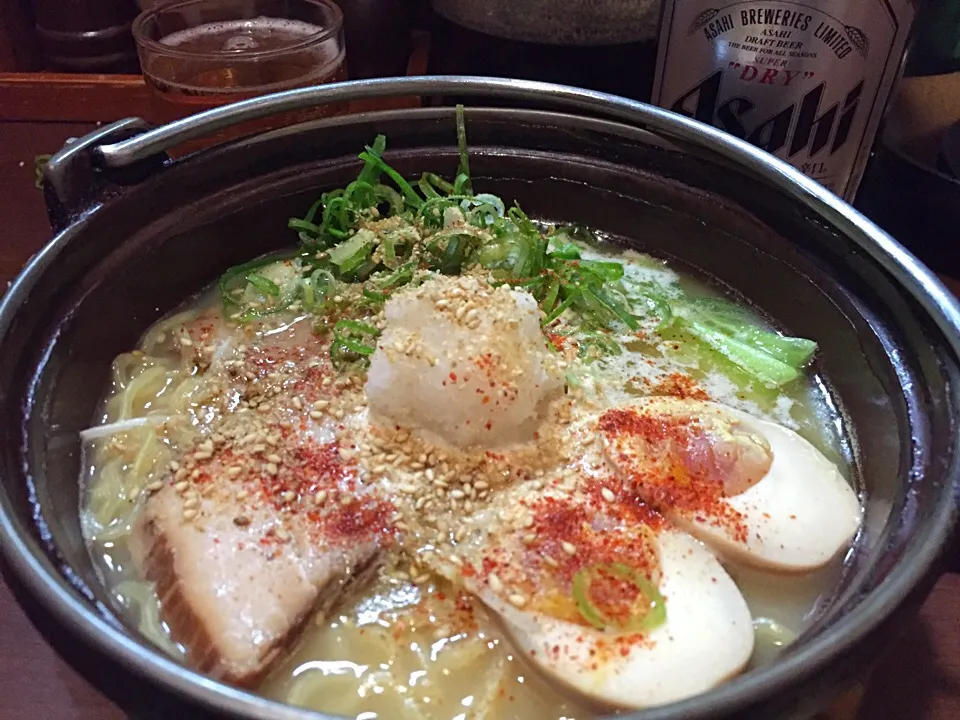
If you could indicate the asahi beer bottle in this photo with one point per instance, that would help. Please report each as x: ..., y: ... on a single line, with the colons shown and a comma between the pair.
x: 807, y: 81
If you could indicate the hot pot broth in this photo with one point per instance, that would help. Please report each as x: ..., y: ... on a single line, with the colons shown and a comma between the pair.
x: 276, y: 390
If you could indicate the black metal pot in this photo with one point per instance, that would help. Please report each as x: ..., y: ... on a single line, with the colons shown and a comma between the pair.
x: 137, y: 233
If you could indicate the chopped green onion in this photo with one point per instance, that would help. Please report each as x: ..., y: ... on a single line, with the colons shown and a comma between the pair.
x: 647, y: 613
x: 463, y: 171
x: 399, y: 277
x: 550, y: 296
x: 567, y: 251
x: 600, y: 343
x: 409, y: 193
x: 616, y: 307
x: 560, y: 309
x: 609, y: 271
x: 385, y: 193
x: 375, y: 295
x: 656, y: 304
x: 349, y: 255
x: 371, y: 171
x: 264, y: 285
x: 336, y: 216
x: 304, y: 226
x: 236, y: 278
x: 348, y: 336
x: 439, y: 183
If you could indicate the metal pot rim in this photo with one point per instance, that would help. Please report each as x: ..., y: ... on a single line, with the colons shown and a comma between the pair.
x: 38, y: 573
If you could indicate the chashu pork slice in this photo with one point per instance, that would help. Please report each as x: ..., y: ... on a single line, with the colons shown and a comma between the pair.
x: 261, y: 524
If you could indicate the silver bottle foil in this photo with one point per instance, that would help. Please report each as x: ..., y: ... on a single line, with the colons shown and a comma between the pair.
x: 806, y: 81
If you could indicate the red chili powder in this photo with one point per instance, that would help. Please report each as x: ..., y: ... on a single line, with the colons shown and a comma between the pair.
x: 666, y: 473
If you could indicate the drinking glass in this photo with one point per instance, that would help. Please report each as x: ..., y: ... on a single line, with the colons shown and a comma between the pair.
x: 199, y: 54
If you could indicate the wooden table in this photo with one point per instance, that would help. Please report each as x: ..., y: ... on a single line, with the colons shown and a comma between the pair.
x: 919, y: 679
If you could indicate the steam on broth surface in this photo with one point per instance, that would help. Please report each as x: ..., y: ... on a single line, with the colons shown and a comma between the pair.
x: 444, y: 462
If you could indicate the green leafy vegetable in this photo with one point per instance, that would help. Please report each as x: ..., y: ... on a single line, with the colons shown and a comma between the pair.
x: 750, y: 358
x: 767, y: 356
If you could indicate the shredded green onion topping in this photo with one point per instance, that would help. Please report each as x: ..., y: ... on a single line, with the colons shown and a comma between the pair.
x: 447, y: 228
x: 648, y: 612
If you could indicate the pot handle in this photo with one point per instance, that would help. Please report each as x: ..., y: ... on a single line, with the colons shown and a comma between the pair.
x: 71, y: 179
x: 157, y: 141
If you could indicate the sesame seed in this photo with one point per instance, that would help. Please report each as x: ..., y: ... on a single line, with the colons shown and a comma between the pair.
x: 457, y: 494
x: 320, y: 498
x: 316, y: 415
x: 408, y: 489
x: 297, y: 403
x: 320, y: 404
x: 185, y: 341
x: 154, y: 486
x: 608, y: 495
x: 180, y: 474
x: 181, y: 486
x: 234, y: 471
x: 203, y: 455
x: 550, y: 561
x: 191, y: 503
x: 529, y: 538
x: 496, y: 585
x: 421, y: 578
x: 242, y: 495
x: 455, y: 559
x: 569, y: 548
x: 206, y: 446
x: 174, y: 466
x: 518, y: 600
x: 271, y: 468
x: 189, y: 515
x: 289, y: 496
x: 274, y: 458
x: 528, y: 521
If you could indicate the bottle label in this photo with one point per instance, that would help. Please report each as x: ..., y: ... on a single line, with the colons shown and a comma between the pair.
x: 807, y: 81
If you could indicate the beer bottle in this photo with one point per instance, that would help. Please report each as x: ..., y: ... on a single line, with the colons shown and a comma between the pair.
x: 807, y: 81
